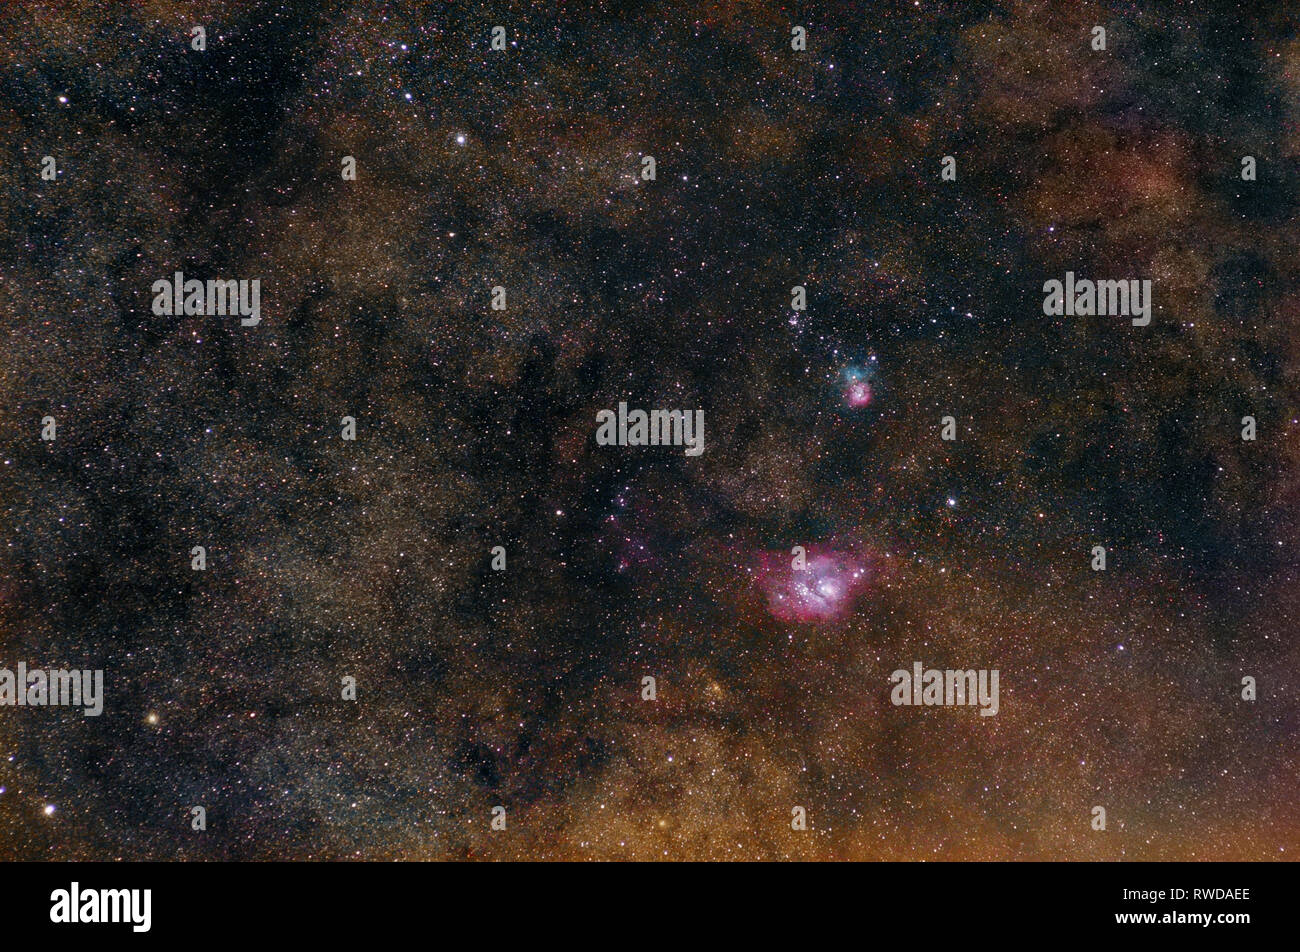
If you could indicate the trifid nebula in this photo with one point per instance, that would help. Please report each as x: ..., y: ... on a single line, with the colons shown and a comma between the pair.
x: 649, y: 431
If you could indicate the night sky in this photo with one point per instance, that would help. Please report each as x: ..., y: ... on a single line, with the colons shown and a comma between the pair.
x: 475, y: 427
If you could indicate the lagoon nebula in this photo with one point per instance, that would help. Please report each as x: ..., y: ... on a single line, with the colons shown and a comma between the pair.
x: 361, y: 582
x: 808, y: 588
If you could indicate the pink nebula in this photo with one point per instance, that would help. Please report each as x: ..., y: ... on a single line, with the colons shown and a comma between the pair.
x: 858, y: 394
x: 823, y: 591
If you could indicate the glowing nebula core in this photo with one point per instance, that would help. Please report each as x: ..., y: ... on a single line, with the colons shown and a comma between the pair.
x: 855, y: 387
x: 823, y: 591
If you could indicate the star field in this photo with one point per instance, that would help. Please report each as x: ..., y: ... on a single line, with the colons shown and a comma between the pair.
x: 522, y: 168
